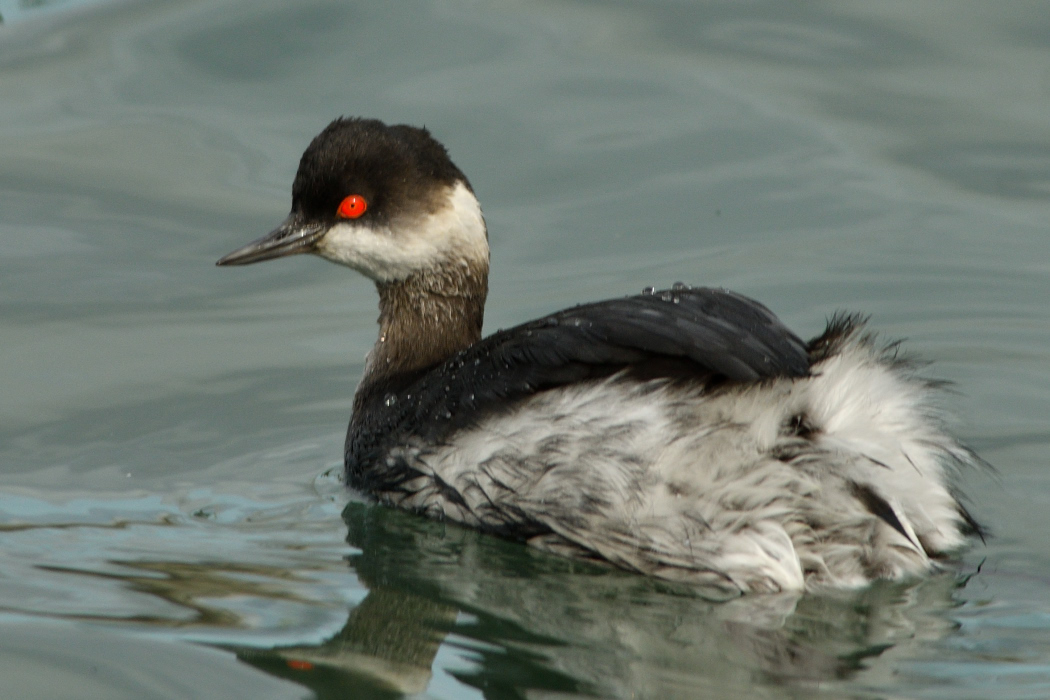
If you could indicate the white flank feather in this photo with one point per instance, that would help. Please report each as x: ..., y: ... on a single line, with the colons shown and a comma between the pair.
x: 713, y: 488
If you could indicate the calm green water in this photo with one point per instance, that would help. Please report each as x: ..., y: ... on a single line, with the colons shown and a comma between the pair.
x: 171, y: 519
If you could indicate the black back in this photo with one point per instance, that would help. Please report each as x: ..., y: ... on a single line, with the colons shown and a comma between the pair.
x: 681, y: 333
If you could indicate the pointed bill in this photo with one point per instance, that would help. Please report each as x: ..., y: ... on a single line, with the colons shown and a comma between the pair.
x: 292, y: 237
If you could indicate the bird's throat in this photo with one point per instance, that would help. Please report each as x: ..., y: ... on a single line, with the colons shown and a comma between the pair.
x: 427, y: 318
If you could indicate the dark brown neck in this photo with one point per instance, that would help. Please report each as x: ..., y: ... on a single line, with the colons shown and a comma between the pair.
x: 427, y: 318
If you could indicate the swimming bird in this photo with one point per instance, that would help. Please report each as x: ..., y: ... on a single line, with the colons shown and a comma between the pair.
x: 684, y: 433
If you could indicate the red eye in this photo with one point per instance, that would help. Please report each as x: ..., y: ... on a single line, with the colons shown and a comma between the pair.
x: 352, y: 207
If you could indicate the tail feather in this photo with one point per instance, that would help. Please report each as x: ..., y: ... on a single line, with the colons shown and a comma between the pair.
x: 868, y: 400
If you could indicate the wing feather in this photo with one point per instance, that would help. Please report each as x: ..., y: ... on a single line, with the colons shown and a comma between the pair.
x: 703, y: 332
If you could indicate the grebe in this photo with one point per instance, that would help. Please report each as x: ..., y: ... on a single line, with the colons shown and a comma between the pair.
x: 686, y: 433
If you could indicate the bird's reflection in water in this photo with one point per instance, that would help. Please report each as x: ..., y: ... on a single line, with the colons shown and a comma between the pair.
x: 527, y: 621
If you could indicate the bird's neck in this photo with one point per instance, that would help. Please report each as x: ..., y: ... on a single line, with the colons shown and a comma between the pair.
x: 427, y: 318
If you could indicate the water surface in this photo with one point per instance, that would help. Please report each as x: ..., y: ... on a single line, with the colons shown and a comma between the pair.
x: 171, y: 519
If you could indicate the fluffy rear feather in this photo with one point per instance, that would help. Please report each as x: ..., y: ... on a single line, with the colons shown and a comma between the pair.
x: 829, y: 480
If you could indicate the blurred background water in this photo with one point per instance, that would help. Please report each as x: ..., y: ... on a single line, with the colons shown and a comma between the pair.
x: 171, y: 519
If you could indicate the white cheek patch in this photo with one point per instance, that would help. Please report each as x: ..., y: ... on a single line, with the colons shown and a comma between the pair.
x: 374, y: 253
x: 456, y: 232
